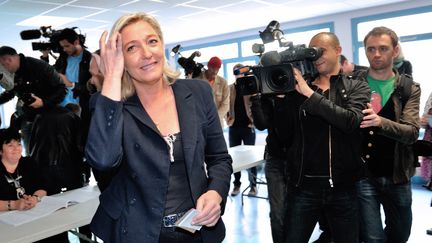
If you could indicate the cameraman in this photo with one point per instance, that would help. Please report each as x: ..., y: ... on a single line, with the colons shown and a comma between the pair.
x: 241, y: 128
x: 270, y: 112
x: 73, y: 66
x: 219, y: 86
x: 37, y: 86
x: 324, y: 157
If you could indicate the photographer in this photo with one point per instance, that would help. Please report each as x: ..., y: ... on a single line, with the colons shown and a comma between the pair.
x: 37, y: 86
x: 269, y: 112
x: 241, y: 129
x: 324, y: 157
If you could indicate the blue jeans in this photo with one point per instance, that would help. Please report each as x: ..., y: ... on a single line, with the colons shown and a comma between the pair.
x: 396, y: 200
x: 306, y: 205
x: 235, y: 136
x: 275, y: 171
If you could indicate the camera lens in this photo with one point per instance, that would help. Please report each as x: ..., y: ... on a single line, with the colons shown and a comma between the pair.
x: 280, y: 79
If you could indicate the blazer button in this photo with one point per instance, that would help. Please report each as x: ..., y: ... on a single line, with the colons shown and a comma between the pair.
x: 137, y: 146
x: 369, y: 145
x: 367, y: 156
x: 371, y: 132
x: 132, y: 201
x: 112, y: 111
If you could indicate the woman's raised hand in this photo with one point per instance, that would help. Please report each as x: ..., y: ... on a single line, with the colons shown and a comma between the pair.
x: 112, y: 65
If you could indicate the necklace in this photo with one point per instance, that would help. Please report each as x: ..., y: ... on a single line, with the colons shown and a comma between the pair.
x: 170, y: 139
x: 15, y: 182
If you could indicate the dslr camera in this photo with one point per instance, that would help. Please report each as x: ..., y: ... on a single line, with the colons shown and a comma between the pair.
x: 274, y: 74
x: 188, y: 64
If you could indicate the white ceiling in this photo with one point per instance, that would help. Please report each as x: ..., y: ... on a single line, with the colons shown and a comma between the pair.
x: 181, y: 20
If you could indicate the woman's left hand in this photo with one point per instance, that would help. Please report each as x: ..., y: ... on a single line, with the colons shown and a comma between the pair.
x: 209, y: 210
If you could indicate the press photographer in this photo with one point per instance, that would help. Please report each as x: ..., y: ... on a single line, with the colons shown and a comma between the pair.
x: 324, y: 153
x: 37, y: 86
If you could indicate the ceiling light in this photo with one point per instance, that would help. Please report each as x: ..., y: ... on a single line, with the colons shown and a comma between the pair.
x: 53, y: 21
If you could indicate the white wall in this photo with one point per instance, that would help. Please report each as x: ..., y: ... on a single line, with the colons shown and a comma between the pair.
x: 342, y: 24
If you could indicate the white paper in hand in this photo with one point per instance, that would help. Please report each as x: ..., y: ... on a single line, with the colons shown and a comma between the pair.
x: 185, y: 222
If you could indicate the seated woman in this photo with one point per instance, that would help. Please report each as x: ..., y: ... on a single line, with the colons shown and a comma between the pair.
x: 20, y: 188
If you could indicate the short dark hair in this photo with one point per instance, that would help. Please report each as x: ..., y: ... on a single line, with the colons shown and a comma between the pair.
x: 7, y: 51
x: 68, y: 34
x: 7, y: 135
x: 378, y: 31
x: 342, y: 59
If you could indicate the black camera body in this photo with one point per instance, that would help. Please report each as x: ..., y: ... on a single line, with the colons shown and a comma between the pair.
x: 27, y: 98
x: 275, y: 73
x: 190, y: 66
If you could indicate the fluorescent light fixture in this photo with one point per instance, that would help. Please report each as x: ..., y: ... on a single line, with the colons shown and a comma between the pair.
x: 40, y: 20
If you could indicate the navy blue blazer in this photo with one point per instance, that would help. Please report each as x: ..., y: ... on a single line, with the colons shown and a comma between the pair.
x: 123, y: 135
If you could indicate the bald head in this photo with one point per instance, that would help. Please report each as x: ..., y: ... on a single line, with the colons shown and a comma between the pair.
x: 328, y: 63
x: 328, y: 37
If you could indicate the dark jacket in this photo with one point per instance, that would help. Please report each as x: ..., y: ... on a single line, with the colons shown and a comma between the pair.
x: 343, y: 112
x: 39, y: 78
x: 122, y: 134
x: 80, y: 90
x: 404, y: 129
x: 84, y: 75
x: 271, y: 112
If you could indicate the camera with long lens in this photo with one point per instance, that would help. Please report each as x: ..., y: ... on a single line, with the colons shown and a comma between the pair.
x: 190, y: 67
x: 51, y: 37
x: 274, y: 74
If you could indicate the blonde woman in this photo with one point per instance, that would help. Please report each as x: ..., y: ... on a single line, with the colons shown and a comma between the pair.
x: 165, y: 138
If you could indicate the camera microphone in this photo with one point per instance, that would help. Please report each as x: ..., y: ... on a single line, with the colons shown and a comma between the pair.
x: 30, y: 34
x: 242, y: 70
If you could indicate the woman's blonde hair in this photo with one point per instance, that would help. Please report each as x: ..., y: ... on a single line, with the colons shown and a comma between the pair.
x: 169, y: 75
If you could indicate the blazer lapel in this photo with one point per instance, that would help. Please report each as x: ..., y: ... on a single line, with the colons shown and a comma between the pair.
x: 185, y: 104
x: 133, y: 105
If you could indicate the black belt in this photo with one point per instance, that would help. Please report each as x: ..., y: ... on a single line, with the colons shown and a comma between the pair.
x: 170, y: 220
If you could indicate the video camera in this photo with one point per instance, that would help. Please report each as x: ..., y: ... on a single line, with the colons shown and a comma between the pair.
x: 274, y: 74
x: 188, y: 64
x: 49, y: 33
